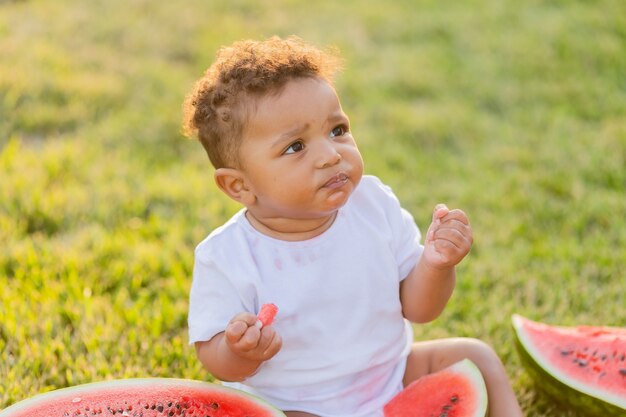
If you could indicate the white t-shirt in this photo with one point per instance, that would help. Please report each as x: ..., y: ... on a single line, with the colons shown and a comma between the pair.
x: 345, y: 340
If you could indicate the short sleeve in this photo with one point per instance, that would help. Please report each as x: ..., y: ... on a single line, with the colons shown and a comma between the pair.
x: 213, y: 301
x: 409, y: 249
x: 406, y: 235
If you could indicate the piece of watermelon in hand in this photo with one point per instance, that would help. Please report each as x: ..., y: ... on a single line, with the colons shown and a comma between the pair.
x: 267, y: 313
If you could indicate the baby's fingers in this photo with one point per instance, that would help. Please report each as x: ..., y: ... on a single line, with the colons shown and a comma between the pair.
x: 447, y: 236
x: 440, y: 211
x: 455, y: 215
x: 270, y: 343
x: 248, y: 341
x: 455, y: 227
x: 235, y: 331
x: 241, y: 333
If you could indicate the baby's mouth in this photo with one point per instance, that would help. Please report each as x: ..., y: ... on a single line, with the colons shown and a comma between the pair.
x: 336, y: 180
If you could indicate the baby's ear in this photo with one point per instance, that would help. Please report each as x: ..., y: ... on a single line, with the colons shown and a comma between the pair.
x: 233, y: 183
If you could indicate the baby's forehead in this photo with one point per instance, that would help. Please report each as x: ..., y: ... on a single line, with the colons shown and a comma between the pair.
x: 278, y: 89
x: 293, y: 86
x: 301, y: 103
x: 293, y: 94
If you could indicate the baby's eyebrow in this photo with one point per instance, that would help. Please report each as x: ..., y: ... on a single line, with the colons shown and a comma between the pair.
x: 290, y: 134
x: 337, y: 116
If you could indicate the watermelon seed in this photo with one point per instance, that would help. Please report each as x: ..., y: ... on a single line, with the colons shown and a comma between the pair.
x: 582, y: 363
x: 622, y: 372
x: 454, y: 399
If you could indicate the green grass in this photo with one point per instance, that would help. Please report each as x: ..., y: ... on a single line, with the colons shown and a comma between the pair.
x: 513, y: 111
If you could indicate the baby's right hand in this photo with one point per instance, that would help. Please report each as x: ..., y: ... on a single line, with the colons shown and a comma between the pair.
x: 245, y: 338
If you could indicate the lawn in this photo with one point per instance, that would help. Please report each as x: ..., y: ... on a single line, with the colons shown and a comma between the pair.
x: 513, y: 111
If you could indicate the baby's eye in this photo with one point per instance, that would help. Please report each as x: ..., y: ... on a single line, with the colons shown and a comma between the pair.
x: 295, y: 147
x: 338, y: 131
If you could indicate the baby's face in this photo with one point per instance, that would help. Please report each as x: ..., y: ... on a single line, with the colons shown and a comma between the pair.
x: 298, y: 153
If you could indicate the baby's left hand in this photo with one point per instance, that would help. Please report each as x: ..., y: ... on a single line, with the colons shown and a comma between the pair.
x: 449, y: 238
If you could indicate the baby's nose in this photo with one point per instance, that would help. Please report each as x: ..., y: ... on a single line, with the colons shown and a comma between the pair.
x: 329, y: 157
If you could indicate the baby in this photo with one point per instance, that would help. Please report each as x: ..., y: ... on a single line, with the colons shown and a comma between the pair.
x: 330, y: 246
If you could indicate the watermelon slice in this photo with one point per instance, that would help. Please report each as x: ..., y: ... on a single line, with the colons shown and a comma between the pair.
x: 147, y: 397
x: 456, y: 391
x: 583, y: 367
x: 267, y: 313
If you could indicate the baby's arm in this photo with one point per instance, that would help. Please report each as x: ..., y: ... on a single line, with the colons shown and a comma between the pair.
x: 237, y: 352
x: 426, y: 290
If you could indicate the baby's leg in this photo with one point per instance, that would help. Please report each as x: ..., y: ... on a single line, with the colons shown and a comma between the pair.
x: 298, y: 414
x: 432, y: 356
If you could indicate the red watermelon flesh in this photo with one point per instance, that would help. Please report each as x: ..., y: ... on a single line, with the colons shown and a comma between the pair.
x: 267, y: 313
x: 584, y: 365
x: 148, y: 397
x: 456, y: 391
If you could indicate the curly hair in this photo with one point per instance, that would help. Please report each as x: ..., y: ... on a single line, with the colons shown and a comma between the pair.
x: 222, y: 101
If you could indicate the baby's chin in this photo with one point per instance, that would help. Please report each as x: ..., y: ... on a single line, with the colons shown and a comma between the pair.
x: 338, y: 198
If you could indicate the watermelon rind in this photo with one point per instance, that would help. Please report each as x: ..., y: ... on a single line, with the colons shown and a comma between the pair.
x: 411, y: 403
x: 467, y: 368
x: 572, y: 393
x: 129, y: 383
